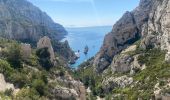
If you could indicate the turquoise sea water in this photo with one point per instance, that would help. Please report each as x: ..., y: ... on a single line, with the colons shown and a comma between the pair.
x: 93, y: 37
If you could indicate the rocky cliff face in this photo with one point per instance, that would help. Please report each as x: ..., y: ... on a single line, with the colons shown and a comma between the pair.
x: 158, y: 30
x: 22, y: 21
x: 124, y: 33
x: 148, y: 22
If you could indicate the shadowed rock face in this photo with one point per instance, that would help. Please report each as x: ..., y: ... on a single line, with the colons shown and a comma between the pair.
x: 22, y: 21
x: 125, y: 32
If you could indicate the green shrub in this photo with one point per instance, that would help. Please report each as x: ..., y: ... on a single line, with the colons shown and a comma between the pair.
x: 162, y: 83
x: 6, y: 69
x: 40, y: 86
x: 32, y: 61
x: 44, y: 58
x: 27, y: 94
x: 20, y: 79
x: 14, y: 55
x: 8, y: 92
x: 166, y: 91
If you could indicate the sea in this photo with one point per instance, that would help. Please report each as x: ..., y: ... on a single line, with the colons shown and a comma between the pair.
x: 80, y: 37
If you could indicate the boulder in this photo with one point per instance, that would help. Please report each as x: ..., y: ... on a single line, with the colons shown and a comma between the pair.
x: 70, y: 88
x: 45, y: 42
x: 5, y: 85
x: 63, y: 93
x: 75, y: 85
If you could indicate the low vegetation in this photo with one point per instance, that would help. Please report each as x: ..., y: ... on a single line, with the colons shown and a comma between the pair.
x: 30, y: 75
x: 145, y: 80
x: 157, y: 71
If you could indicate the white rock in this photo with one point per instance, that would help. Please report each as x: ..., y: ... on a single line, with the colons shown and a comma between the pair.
x: 5, y: 85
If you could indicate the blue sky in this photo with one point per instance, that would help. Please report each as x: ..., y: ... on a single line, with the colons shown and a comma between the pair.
x: 85, y: 12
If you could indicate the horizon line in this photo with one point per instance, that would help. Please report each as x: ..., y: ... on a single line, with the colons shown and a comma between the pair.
x: 76, y: 26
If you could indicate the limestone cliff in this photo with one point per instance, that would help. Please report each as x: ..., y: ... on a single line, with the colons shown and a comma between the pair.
x: 21, y: 20
x: 148, y: 22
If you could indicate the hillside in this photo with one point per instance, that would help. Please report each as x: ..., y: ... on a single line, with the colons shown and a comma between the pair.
x: 133, y: 62
x: 33, y: 61
x: 35, y: 74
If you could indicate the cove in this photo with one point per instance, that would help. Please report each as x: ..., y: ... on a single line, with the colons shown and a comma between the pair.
x: 80, y: 37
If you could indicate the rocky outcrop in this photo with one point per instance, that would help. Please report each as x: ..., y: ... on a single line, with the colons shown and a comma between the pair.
x: 115, y: 82
x: 159, y: 91
x: 69, y: 88
x: 45, y: 42
x: 4, y: 85
x: 62, y: 93
x: 64, y: 50
x: 131, y: 48
x: 122, y: 63
x: 76, y: 86
x: 21, y: 20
